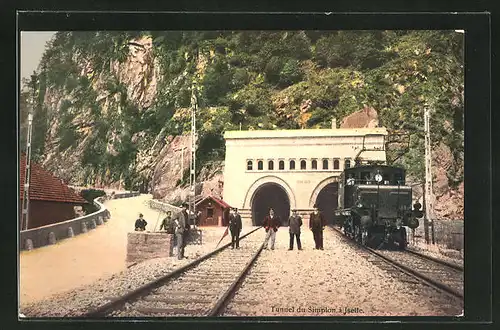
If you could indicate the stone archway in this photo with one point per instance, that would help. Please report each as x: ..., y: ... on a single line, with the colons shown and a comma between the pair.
x: 269, y: 186
x: 319, y: 187
x: 270, y: 195
x: 325, y: 196
x: 247, y: 204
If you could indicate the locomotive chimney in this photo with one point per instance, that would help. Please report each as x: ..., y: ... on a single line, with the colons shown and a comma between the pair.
x: 334, y: 123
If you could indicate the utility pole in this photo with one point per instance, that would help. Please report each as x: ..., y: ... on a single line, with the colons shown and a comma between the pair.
x: 27, y: 169
x: 428, y: 193
x: 192, y: 175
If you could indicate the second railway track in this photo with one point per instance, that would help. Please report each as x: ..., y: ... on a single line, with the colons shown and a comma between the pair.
x: 201, y: 288
x: 443, y: 276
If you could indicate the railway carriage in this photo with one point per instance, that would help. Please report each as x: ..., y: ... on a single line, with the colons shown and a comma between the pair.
x: 375, y: 205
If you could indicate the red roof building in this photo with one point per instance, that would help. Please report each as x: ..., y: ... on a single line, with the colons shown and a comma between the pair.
x: 50, y: 199
x: 214, y: 212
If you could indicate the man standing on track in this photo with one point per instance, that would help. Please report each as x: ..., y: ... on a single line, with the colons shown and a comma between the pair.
x: 317, y: 223
x: 180, y: 228
x: 271, y: 224
x: 235, y: 228
x: 294, y: 224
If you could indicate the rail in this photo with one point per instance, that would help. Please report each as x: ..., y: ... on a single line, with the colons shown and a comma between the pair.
x: 418, y: 275
x: 119, y: 302
x: 50, y: 234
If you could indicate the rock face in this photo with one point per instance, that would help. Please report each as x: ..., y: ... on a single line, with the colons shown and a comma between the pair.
x: 174, y: 158
x: 449, y: 201
x: 365, y: 118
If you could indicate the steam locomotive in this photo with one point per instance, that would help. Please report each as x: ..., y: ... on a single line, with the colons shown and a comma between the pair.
x: 375, y: 204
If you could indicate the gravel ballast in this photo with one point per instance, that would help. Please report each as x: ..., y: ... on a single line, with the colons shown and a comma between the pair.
x: 75, y: 302
x: 333, y: 282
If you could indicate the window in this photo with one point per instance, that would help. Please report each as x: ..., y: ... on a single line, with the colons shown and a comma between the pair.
x: 270, y: 165
x: 260, y: 165
x: 335, y: 164
x: 302, y: 164
x: 325, y: 164
x: 347, y: 163
x: 249, y: 165
x: 292, y: 164
x: 281, y: 165
x: 210, y: 213
x: 314, y: 164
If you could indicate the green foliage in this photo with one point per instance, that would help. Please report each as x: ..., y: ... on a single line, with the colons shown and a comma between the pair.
x: 259, y: 79
x: 89, y: 195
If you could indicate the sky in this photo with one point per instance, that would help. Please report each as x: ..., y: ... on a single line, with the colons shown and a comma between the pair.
x: 32, y: 49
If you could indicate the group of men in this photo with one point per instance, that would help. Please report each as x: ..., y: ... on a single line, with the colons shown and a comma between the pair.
x: 317, y: 224
x: 271, y: 224
x: 180, y: 227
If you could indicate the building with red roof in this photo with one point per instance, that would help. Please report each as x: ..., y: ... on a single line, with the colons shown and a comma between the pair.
x: 50, y: 199
x: 214, y: 211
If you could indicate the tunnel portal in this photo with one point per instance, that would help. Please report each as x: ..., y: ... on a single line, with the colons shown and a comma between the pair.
x: 327, y: 201
x: 270, y: 195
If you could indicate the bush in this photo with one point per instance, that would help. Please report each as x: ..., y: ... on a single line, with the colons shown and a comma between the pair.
x: 89, y: 195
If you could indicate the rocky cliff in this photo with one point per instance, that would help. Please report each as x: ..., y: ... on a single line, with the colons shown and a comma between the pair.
x: 112, y: 109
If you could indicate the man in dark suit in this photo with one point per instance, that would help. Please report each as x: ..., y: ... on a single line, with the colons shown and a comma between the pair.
x: 235, y: 228
x: 271, y: 224
x: 181, y: 223
x: 140, y: 224
x: 317, y: 223
x: 294, y: 224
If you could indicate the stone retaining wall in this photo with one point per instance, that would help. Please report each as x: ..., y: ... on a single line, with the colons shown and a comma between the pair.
x: 145, y: 245
x: 50, y: 234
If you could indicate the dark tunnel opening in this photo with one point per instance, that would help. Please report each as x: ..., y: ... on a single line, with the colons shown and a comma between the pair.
x: 270, y: 195
x: 327, y: 201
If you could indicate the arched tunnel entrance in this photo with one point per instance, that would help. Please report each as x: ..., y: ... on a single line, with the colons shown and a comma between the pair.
x: 327, y: 201
x: 270, y: 195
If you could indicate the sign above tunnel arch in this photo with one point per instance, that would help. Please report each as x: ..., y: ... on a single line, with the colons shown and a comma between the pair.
x: 302, y: 162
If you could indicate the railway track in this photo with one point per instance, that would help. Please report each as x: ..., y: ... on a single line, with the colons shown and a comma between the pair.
x: 201, y: 288
x: 441, y: 275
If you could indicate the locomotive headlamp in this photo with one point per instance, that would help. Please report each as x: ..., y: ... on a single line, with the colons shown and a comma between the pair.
x: 378, y: 177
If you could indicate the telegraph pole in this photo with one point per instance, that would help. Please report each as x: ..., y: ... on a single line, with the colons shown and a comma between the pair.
x: 192, y: 175
x: 428, y: 193
x: 27, y: 169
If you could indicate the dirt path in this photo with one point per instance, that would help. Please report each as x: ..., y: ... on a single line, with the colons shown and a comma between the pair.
x: 83, y: 259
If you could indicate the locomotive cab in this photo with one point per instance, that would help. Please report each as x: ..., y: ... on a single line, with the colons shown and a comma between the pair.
x: 375, y: 204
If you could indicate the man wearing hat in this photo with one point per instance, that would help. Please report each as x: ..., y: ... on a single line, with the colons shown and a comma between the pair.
x: 235, y: 228
x: 294, y: 224
x: 271, y: 224
x: 317, y: 223
x: 180, y: 228
x: 166, y: 224
x: 140, y: 224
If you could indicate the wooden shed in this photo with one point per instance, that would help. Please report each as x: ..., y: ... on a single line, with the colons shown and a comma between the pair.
x: 214, y: 212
